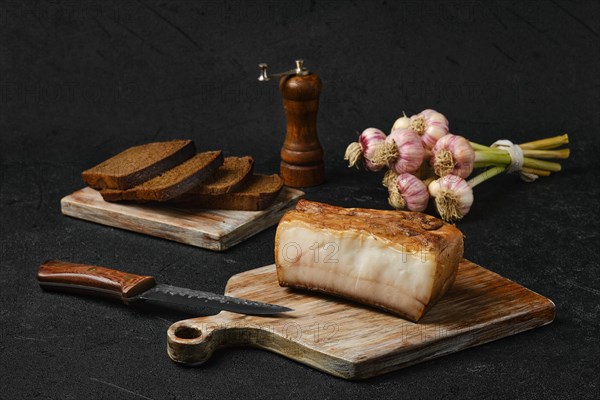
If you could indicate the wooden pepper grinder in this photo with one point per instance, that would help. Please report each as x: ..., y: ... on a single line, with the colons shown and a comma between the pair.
x: 301, y: 154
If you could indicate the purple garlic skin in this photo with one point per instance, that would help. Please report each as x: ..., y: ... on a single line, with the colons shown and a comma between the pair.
x: 430, y: 125
x: 370, y: 139
x: 410, y: 151
x: 453, y: 149
x: 413, y: 191
x: 453, y: 196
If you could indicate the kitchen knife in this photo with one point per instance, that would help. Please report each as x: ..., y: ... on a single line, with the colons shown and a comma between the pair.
x: 130, y: 288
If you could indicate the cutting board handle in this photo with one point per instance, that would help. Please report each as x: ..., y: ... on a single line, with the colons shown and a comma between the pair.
x: 91, y: 280
x: 356, y: 342
x: 193, y: 341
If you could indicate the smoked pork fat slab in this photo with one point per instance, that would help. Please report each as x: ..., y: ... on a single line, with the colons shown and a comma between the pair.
x: 399, y: 261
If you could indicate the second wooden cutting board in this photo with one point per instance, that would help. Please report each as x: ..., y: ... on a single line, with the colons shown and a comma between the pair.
x: 352, y: 341
x: 211, y: 229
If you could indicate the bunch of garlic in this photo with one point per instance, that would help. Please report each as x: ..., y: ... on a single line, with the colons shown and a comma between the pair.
x: 425, y: 161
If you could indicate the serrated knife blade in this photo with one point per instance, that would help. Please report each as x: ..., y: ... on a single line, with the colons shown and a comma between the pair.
x: 167, y: 294
x: 130, y: 288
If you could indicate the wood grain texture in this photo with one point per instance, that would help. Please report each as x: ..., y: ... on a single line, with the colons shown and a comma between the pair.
x: 352, y: 341
x: 301, y: 154
x: 100, y: 281
x: 211, y: 229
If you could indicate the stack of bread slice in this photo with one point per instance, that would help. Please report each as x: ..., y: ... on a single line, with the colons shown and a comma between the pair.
x: 173, y: 172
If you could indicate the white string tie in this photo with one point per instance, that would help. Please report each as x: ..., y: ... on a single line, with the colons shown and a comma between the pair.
x: 516, y: 159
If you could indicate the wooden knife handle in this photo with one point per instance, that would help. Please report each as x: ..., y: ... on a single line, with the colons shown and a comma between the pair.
x: 92, y: 280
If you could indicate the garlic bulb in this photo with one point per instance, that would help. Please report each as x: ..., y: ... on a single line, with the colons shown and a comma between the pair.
x: 368, y: 142
x: 402, y: 152
x: 402, y: 123
x: 408, y: 191
x: 453, y: 197
x: 453, y: 154
x: 430, y: 125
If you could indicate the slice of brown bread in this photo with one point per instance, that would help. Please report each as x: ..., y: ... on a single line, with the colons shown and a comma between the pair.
x: 260, y: 193
x: 138, y: 164
x: 173, y: 182
x: 233, y: 175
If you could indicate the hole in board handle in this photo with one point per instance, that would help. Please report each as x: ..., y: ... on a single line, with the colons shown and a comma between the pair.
x: 187, y: 332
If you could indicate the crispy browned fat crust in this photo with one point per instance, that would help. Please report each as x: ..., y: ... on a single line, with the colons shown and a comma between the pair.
x: 138, y: 164
x: 173, y: 182
x: 404, y: 230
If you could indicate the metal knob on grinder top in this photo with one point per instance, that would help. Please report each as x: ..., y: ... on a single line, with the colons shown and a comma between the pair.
x: 301, y: 154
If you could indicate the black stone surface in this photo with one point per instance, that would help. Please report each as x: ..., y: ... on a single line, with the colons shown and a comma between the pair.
x: 82, y: 80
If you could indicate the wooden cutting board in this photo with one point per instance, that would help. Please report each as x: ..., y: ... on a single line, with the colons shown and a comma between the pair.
x: 352, y: 341
x: 211, y: 229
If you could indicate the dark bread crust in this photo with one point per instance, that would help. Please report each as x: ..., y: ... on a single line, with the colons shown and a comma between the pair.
x: 116, y: 173
x: 146, y: 192
x: 232, y: 176
x: 259, y: 194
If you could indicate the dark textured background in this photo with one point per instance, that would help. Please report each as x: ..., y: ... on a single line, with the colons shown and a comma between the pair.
x: 82, y: 80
